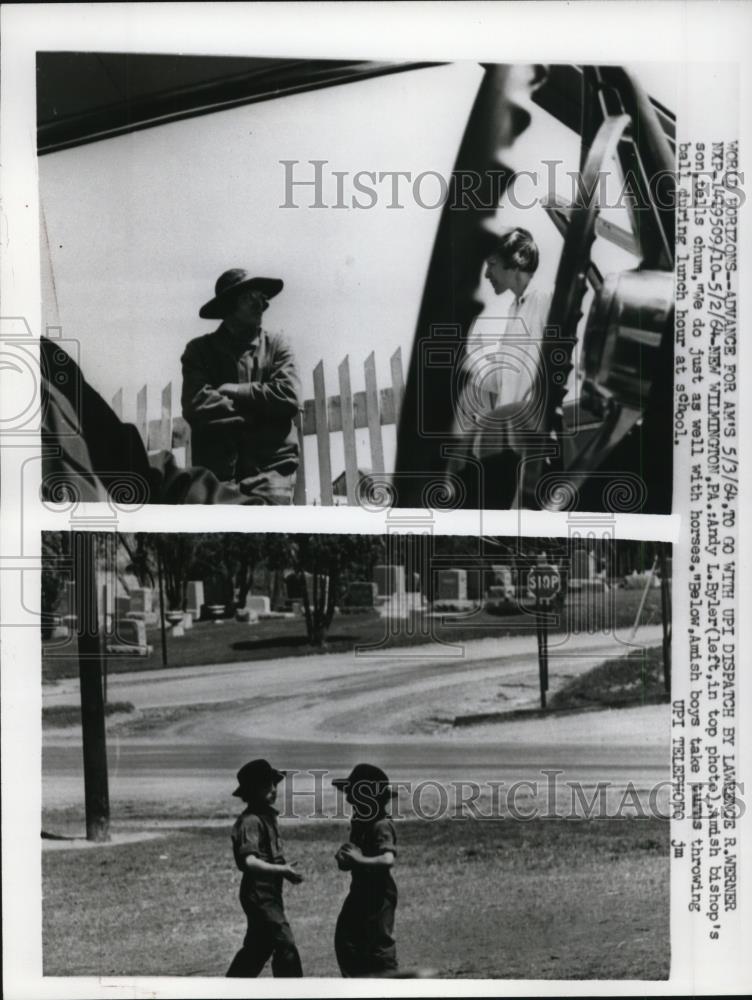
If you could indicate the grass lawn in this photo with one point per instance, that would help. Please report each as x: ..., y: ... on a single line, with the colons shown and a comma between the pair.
x: 546, y: 899
x: 232, y: 641
x: 636, y: 679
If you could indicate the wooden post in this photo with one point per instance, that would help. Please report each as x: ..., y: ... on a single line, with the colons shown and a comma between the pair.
x: 96, y: 788
x: 165, y: 429
x: 374, y: 416
x: 141, y: 418
x: 299, y: 496
x: 398, y: 383
x: 348, y: 431
x: 322, y: 436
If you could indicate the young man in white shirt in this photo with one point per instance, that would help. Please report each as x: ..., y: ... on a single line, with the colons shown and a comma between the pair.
x: 502, y: 371
x: 511, y: 267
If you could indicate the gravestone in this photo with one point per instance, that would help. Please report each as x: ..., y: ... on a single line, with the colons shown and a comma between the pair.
x: 504, y: 576
x: 500, y: 576
x: 194, y: 598
x: 129, y: 638
x: 122, y: 606
x: 67, y: 604
x: 258, y: 604
x: 131, y: 632
x: 142, y: 603
x: 361, y: 594
x: 389, y: 580
x: 141, y: 599
x: 452, y: 585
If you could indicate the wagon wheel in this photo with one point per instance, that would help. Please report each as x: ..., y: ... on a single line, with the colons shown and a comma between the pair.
x: 544, y: 455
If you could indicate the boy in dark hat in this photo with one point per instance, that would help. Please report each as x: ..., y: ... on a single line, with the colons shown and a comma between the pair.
x: 258, y: 854
x: 241, y: 392
x: 364, y: 937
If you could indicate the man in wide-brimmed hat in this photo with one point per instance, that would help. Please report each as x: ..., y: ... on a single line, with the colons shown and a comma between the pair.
x: 241, y: 392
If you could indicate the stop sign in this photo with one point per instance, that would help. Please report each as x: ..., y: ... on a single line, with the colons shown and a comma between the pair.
x: 544, y: 583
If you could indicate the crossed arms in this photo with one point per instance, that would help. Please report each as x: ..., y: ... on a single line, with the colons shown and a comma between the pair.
x: 275, y: 397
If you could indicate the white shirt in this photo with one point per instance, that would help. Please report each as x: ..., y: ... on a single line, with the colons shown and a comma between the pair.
x: 519, y: 344
x: 504, y: 352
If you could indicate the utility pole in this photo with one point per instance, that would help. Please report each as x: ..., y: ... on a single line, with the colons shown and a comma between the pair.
x: 96, y: 788
x: 664, y: 562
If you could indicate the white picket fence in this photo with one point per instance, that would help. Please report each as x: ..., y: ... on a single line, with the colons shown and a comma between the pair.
x: 322, y: 416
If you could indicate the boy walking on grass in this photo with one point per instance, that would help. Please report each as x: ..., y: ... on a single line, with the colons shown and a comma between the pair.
x: 364, y: 937
x: 258, y: 854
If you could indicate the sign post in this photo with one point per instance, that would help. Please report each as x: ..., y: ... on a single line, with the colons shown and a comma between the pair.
x: 543, y: 582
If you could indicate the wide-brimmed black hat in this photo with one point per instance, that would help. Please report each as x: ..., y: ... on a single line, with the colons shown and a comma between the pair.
x: 230, y: 283
x: 367, y: 776
x: 256, y: 773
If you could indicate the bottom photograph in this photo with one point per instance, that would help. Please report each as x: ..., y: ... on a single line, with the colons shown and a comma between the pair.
x: 377, y: 756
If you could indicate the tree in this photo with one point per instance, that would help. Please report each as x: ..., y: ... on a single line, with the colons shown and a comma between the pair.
x: 141, y: 557
x: 230, y: 559
x: 322, y: 563
x: 55, y: 556
x: 177, y: 553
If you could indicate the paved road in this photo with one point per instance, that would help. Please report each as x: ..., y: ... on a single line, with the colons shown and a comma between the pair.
x: 327, y: 712
x: 395, y: 671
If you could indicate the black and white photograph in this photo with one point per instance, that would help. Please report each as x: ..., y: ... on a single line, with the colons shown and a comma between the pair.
x: 449, y: 756
x: 275, y: 281
x: 455, y: 292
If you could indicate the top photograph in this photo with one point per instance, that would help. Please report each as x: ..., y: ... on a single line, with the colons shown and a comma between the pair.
x: 368, y: 284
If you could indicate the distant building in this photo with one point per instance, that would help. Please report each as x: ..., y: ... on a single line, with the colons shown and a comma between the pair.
x: 365, y: 483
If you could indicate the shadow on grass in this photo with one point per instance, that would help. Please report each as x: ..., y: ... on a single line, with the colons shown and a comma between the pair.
x: 292, y: 642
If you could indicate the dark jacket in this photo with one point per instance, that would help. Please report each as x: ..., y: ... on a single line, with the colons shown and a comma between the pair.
x: 238, y: 439
x: 89, y: 454
x: 364, y: 935
x: 256, y: 832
